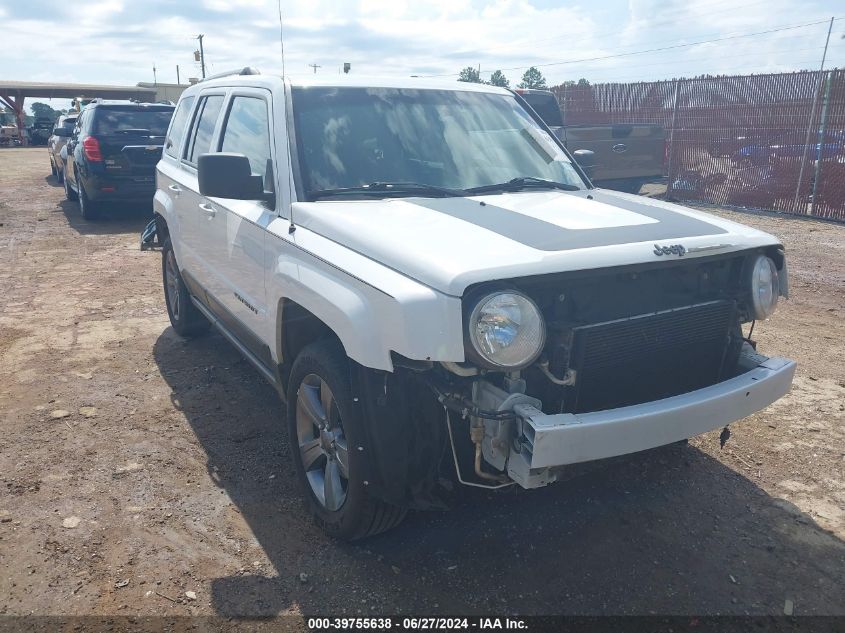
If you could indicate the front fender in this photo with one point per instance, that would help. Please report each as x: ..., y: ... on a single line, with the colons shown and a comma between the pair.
x: 372, y: 309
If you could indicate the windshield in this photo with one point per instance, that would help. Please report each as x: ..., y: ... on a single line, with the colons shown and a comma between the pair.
x: 351, y: 137
x: 112, y: 120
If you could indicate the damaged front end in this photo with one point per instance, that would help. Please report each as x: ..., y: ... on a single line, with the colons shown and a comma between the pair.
x: 615, y: 362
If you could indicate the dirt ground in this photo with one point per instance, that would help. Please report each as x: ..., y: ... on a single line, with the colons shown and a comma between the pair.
x: 137, y: 467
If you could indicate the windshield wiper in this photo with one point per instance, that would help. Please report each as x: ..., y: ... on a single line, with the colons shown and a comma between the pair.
x: 522, y: 182
x: 388, y: 188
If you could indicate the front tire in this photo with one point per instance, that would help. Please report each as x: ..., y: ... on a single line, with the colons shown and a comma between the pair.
x: 185, y: 318
x: 70, y: 194
x: 325, y: 435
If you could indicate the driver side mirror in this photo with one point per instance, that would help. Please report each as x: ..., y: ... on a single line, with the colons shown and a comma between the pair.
x: 62, y: 132
x: 586, y: 160
x: 228, y: 175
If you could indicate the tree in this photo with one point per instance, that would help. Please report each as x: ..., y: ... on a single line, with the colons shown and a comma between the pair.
x: 533, y: 78
x: 498, y: 79
x: 471, y: 75
x: 43, y: 111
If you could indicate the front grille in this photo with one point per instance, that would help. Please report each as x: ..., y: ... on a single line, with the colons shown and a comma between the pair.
x: 650, y: 356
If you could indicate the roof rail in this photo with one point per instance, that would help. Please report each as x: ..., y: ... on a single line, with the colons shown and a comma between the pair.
x: 246, y: 70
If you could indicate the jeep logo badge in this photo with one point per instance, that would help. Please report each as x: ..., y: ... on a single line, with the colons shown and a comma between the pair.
x: 674, y: 249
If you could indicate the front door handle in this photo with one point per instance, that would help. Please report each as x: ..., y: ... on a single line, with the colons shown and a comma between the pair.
x: 175, y: 188
x: 210, y: 211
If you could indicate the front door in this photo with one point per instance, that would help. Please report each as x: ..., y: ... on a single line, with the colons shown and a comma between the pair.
x: 235, y: 230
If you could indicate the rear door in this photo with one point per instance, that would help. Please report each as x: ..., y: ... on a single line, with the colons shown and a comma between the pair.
x: 169, y: 186
x: 191, y: 206
x: 131, y: 138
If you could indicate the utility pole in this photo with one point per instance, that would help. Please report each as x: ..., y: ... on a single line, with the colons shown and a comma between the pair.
x: 155, y: 78
x: 314, y: 66
x: 202, y: 55
x: 810, y: 124
x: 177, y: 75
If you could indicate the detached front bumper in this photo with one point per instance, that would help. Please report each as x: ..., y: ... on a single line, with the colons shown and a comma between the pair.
x: 547, y: 441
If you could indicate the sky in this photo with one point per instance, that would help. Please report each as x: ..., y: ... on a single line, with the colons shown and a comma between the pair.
x: 119, y: 41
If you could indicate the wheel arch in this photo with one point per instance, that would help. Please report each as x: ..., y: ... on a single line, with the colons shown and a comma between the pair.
x: 162, y: 228
x: 297, y: 328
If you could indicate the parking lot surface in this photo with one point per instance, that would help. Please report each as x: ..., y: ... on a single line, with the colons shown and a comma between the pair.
x: 143, y: 474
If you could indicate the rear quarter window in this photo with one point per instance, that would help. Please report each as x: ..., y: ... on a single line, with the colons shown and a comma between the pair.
x: 177, y: 128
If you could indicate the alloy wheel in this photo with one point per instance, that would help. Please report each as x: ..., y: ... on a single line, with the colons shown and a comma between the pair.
x: 322, y: 443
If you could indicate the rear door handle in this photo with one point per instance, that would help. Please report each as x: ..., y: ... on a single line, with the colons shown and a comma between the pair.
x: 209, y: 210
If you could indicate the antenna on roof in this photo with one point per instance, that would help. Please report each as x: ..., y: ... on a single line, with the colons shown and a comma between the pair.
x: 291, y: 226
x: 281, y: 37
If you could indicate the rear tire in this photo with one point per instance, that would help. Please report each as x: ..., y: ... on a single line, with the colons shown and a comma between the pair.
x: 60, y: 175
x: 90, y: 210
x: 53, y: 169
x: 325, y: 433
x: 185, y: 318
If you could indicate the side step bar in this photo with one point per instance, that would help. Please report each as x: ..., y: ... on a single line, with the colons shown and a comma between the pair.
x: 252, y: 358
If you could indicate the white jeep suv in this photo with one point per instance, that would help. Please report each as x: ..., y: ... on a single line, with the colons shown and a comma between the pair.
x: 439, y: 293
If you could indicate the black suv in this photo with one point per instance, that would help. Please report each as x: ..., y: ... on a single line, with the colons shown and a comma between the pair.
x: 113, y: 153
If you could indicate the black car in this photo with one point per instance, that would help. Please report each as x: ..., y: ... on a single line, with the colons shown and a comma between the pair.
x: 113, y: 153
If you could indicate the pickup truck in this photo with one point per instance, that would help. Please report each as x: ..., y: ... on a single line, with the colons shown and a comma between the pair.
x: 626, y: 155
x: 440, y: 295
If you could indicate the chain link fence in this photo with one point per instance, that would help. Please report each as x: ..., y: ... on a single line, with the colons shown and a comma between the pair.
x: 760, y: 141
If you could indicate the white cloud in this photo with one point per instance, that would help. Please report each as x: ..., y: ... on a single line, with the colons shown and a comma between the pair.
x: 115, y: 41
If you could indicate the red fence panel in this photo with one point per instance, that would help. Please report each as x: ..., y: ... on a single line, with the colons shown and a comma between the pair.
x: 738, y: 140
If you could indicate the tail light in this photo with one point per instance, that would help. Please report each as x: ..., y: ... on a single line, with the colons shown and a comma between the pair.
x: 91, y: 149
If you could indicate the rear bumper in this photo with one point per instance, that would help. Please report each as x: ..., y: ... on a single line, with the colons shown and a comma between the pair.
x: 557, y: 440
x: 103, y: 189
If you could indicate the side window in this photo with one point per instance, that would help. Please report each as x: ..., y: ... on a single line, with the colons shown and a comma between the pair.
x: 247, y: 132
x: 177, y: 127
x: 204, y: 121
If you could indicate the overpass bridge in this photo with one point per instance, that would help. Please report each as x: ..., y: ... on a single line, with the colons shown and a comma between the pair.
x: 13, y: 95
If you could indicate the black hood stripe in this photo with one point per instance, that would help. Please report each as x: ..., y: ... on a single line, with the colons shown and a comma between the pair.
x: 545, y: 236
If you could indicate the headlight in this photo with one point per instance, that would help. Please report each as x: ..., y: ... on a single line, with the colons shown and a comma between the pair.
x: 764, y: 287
x: 506, y: 331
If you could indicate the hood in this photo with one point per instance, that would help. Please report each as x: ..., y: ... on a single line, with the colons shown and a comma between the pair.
x: 451, y: 243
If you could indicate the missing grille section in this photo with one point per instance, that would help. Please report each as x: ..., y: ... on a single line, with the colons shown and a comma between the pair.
x: 650, y: 356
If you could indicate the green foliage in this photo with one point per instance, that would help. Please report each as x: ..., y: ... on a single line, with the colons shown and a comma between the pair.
x: 43, y: 111
x: 470, y: 75
x: 533, y: 78
x: 498, y: 79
